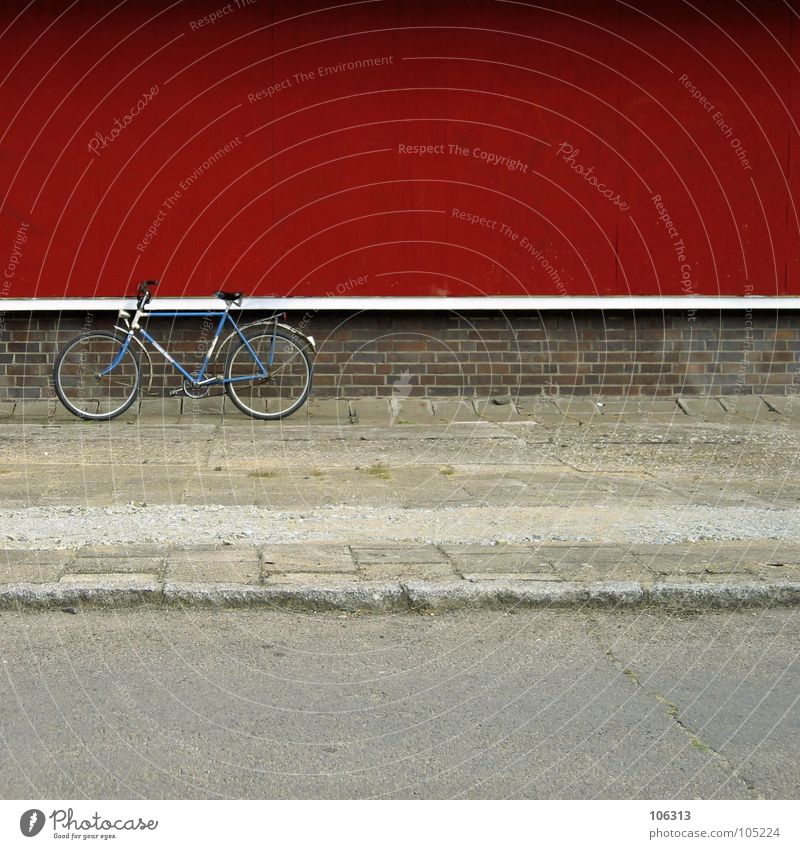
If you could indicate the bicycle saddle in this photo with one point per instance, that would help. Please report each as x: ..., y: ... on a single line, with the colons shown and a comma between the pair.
x: 229, y: 297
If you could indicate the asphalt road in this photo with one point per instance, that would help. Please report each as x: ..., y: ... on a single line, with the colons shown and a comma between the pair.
x: 537, y: 704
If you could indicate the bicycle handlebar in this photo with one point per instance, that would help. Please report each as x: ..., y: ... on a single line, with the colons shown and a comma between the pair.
x: 143, y: 294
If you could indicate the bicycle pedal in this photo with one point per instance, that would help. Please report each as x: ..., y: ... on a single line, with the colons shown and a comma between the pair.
x: 174, y: 392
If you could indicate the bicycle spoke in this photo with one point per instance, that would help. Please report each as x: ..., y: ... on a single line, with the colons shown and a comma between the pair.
x: 79, y: 381
x: 288, y: 383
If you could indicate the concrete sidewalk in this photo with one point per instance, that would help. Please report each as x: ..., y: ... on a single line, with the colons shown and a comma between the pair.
x: 396, y: 577
x: 405, y: 503
x: 401, y: 409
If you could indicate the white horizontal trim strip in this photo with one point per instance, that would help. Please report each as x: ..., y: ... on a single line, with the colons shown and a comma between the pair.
x: 500, y: 302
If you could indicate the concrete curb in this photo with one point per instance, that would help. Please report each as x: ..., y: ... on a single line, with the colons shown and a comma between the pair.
x: 423, y: 595
x: 350, y: 597
x: 729, y: 594
x: 107, y: 594
x: 401, y: 596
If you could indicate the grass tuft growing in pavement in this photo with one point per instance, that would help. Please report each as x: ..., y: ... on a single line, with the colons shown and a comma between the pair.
x: 263, y: 473
x: 447, y: 470
x: 378, y: 470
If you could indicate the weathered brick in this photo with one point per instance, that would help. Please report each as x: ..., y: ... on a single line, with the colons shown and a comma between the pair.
x: 652, y: 353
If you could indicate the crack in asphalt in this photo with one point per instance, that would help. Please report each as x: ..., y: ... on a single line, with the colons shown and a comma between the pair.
x: 672, y: 712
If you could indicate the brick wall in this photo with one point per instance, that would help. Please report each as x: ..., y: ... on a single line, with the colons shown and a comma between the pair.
x: 612, y: 353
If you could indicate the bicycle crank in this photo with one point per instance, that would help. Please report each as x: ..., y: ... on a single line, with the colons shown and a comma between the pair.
x: 190, y: 390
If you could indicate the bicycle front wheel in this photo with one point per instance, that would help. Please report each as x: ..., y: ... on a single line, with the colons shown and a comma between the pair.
x: 80, y: 383
x: 287, y: 384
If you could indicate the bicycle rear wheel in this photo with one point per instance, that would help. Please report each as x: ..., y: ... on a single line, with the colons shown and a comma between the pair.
x: 81, y: 387
x: 286, y: 387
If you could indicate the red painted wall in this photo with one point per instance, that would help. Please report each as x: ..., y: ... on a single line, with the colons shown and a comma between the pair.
x: 485, y: 148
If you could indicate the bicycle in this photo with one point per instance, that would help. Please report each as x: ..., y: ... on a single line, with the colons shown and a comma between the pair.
x: 268, y: 375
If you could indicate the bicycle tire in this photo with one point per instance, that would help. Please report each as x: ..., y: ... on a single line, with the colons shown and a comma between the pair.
x: 291, y: 379
x: 92, y: 402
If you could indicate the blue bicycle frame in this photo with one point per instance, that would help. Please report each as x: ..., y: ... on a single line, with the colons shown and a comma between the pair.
x: 200, y: 379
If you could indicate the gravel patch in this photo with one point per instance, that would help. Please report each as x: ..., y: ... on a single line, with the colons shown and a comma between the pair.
x: 69, y: 527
